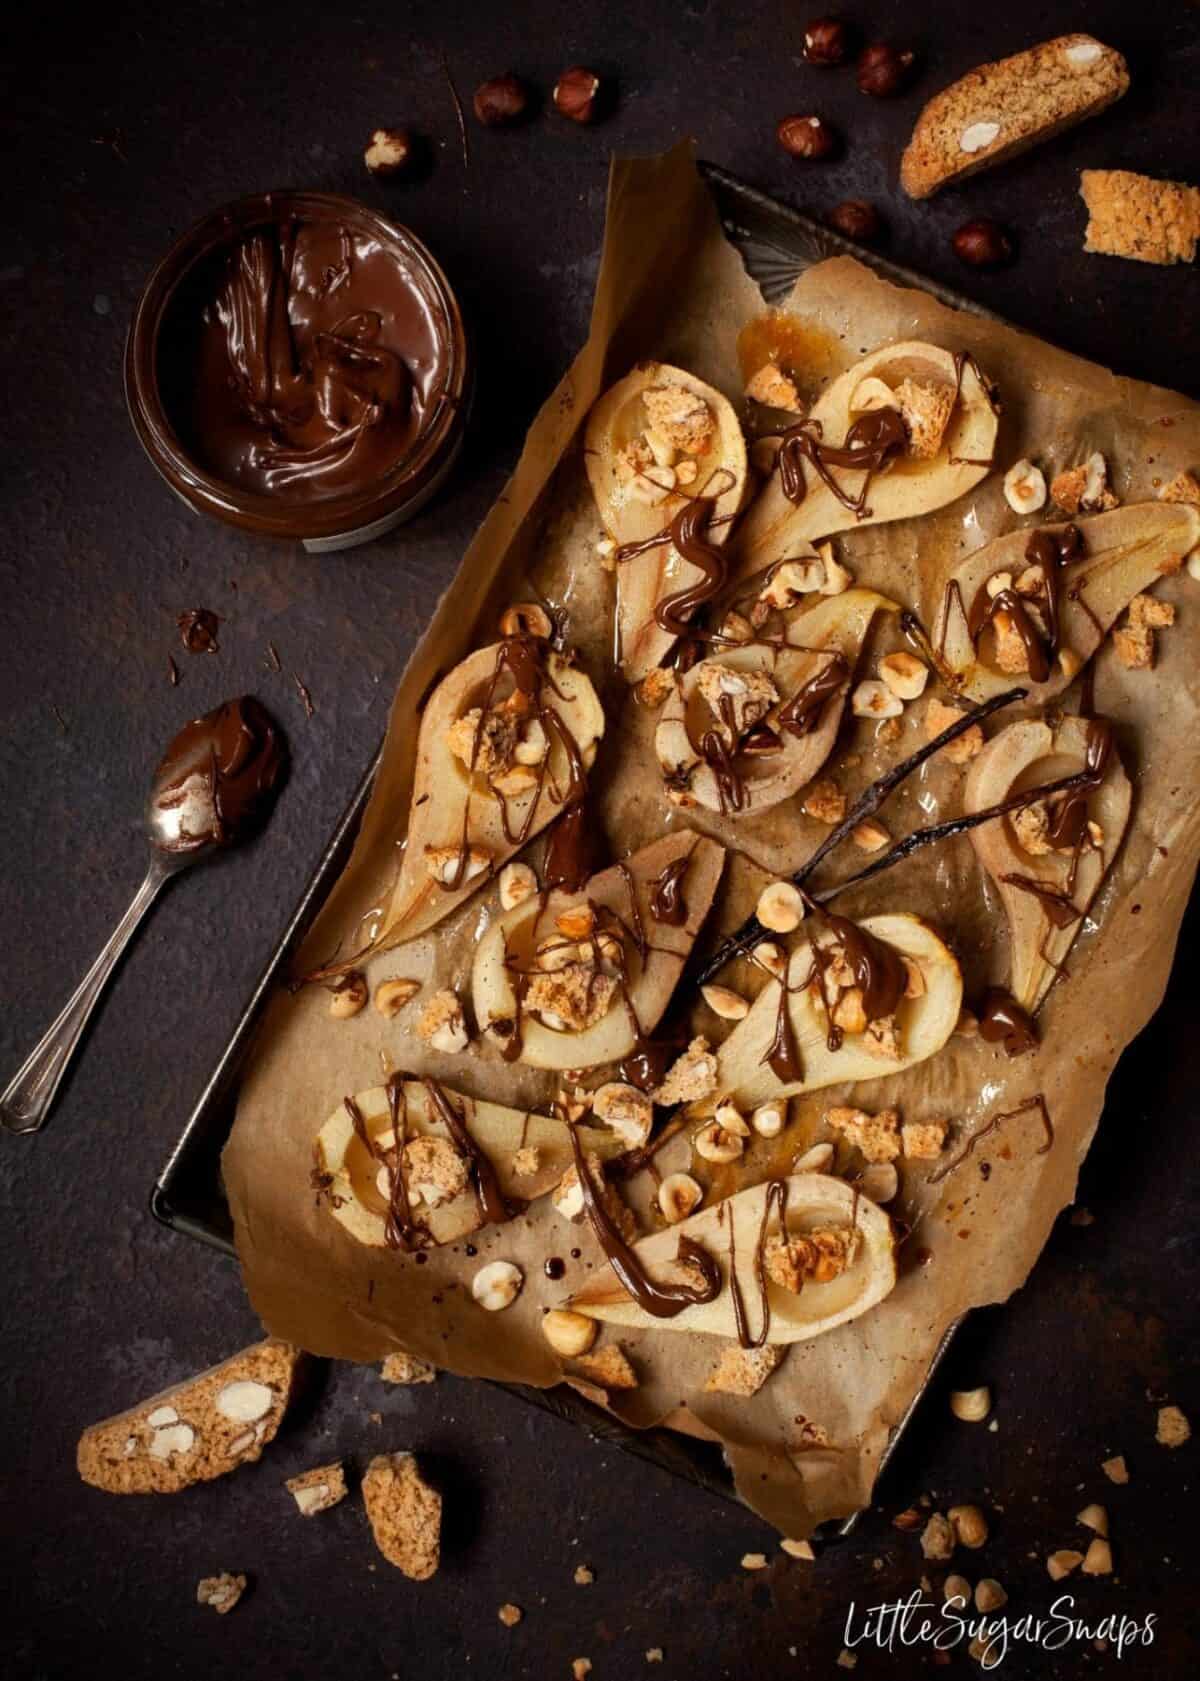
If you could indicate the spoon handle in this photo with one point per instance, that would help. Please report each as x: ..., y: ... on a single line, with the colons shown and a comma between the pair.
x: 26, y: 1101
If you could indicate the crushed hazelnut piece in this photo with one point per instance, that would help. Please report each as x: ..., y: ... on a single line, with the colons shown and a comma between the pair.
x: 989, y: 1595
x: 1094, y: 1517
x: 870, y: 836
x: 1115, y: 1469
x: 584, y: 1576
x: 797, y: 1549
x: 510, y: 1615
x: 1062, y: 1563
x: 654, y: 1654
x: 825, y: 802
x: 1097, y: 1561
x: 969, y: 1525
x: 581, y: 1668
x: 754, y: 1561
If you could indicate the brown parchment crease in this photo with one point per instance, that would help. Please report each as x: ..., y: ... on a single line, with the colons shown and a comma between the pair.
x: 672, y: 288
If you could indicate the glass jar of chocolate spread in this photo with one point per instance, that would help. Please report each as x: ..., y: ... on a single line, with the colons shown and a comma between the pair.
x: 297, y: 366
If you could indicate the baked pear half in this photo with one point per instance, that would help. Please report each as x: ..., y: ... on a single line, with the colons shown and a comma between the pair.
x: 921, y: 1024
x: 1123, y: 553
x: 774, y: 710
x: 574, y: 975
x: 657, y: 437
x: 950, y: 424
x: 514, y: 790
x: 1048, y: 859
x: 355, y: 1179
x: 831, y: 1258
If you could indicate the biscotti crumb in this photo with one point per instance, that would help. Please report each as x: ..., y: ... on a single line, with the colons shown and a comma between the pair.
x: 1136, y: 216
x: 581, y: 1668
x: 743, y: 1371
x: 1184, y: 487
x: 1172, y: 1429
x: 221, y: 1592
x: 197, y: 1430
x: 317, y: 1490
x: 405, y: 1514
x: 608, y: 1367
x: 510, y: 1615
x: 401, y: 1367
x: 584, y: 1576
x: 1003, y: 108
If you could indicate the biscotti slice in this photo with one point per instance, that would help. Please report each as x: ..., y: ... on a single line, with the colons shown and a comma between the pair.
x: 196, y: 1430
x: 1004, y: 108
x: 405, y: 1514
x: 1136, y: 216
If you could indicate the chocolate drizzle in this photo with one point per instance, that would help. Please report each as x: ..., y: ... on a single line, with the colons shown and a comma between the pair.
x: 492, y: 1206
x: 802, y: 713
x: 1037, y: 1101
x: 687, y: 537
x: 1045, y: 552
x: 1057, y: 905
x: 661, y: 1301
x: 776, y: 1196
x: 217, y: 778
x: 783, y: 1053
x: 870, y: 444
x: 666, y: 900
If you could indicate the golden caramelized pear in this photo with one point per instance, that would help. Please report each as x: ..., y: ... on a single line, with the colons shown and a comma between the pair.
x: 656, y: 438
x: 828, y: 637
x: 449, y: 803
x: 1123, y: 552
x: 815, y: 1202
x: 1034, y: 848
x: 574, y: 997
x: 774, y: 527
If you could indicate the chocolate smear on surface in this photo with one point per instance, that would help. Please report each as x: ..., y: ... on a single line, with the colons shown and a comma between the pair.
x: 198, y: 630
x: 1003, y: 1021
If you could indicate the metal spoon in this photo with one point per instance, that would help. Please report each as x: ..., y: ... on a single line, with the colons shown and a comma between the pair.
x: 210, y: 790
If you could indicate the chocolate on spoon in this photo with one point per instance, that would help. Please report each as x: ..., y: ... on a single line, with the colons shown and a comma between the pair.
x: 213, y: 788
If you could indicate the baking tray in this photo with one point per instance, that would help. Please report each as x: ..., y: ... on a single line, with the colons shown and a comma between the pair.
x: 776, y: 244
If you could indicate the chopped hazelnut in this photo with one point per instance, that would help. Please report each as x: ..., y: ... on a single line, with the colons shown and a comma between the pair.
x: 1062, y: 1562
x: 740, y: 699
x: 1094, y: 1517
x: 869, y: 835
x: 754, y: 1561
x: 724, y: 1002
x: 445, y: 864
x: 780, y: 907
x: 678, y: 1195
x: 904, y: 674
x: 1115, y: 1469
x: 625, y: 1110
x: 569, y: 1334
x: 969, y: 1524
x: 584, y: 1576
x: 872, y: 699
x: 517, y: 884
x: 510, y: 1615
x: 442, y: 1025
x: 971, y: 1405
x: 989, y: 1595
x: 1025, y: 487
x: 714, y: 1144
x: 391, y: 996
x: 221, y: 1592
x: 1097, y: 1561
x: 348, y: 995
x: 1084, y: 489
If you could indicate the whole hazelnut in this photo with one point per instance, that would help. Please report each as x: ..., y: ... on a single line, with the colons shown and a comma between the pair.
x: 826, y: 41
x: 390, y: 153
x: 883, y: 70
x: 855, y: 219
x: 982, y: 244
x: 502, y: 100
x: 576, y: 94
x: 806, y: 137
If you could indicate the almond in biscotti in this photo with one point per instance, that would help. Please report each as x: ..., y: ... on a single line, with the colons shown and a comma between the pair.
x: 1003, y: 108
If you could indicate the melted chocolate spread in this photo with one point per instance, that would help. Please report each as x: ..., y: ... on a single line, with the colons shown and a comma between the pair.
x: 216, y: 780
x: 303, y: 362
x: 871, y: 442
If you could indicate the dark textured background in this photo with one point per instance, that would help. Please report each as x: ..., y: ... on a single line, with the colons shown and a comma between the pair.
x: 123, y: 124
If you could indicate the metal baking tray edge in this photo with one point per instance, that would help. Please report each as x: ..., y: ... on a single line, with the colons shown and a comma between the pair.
x: 776, y: 244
